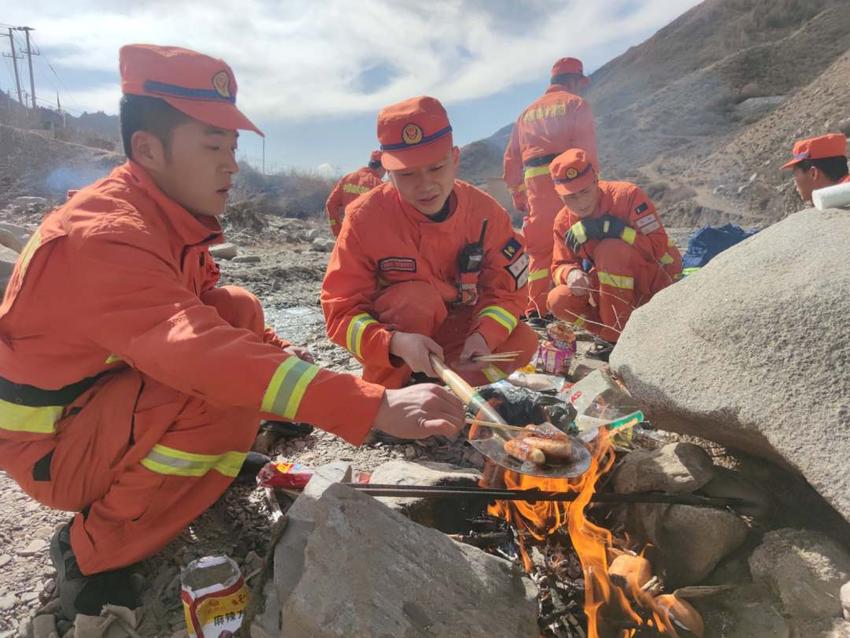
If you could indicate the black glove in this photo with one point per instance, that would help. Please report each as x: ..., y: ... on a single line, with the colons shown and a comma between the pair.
x: 612, y: 227
x: 583, y: 231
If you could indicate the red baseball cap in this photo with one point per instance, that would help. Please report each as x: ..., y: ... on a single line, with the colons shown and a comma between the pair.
x: 571, y: 66
x: 832, y: 145
x: 202, y: 87
x: 571, y: 171
x: 414, y: 133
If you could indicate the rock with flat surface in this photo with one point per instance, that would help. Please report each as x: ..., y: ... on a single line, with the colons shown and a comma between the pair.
x: 805, y: 568
x: 677, y: 467
x: 753, y: 350
x: 224, y: 251
x: 368, y: 571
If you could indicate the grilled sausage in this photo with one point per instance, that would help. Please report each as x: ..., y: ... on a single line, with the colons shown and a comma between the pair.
x: 553, y: 448
x: 519, y: 449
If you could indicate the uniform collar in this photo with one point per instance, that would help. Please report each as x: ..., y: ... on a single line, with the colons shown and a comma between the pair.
x: 420, y: 218
x: 557, y: 88
x: 192, y: 229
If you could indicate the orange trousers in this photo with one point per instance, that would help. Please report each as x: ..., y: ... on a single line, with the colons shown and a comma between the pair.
x: 139, y: 460
x: 417, y: 307
x: 538, y: 228
x: 621, y: 280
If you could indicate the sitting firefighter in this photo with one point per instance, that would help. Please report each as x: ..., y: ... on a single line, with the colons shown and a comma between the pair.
x: 611, y: 252
x: 426, y: 264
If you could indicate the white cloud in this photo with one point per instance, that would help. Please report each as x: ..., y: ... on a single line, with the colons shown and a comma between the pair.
x: 299, y: 60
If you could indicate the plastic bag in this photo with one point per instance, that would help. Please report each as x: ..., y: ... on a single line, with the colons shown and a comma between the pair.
x: 600, y: 401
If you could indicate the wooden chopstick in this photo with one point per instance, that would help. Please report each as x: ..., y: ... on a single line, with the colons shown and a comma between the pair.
x: 496, y: 426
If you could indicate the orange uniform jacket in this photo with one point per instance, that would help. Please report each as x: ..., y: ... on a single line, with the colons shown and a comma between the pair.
x: 346, y: 191
x: 113, y: 278
x: 385, y: 241
x: 629, y: 203
x: 555, y: 122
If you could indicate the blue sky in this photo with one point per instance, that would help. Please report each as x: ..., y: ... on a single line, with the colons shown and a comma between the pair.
x: 313, y: 75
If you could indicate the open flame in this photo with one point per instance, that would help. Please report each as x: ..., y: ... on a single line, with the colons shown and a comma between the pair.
x: 618, y: 603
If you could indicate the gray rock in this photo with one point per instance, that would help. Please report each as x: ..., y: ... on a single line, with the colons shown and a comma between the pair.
x: 749, y: 351
x: 224, y: 251
x: 323, y: 245
x: 677, y: 467
x: 805, y: 568
x: 7, y: 601
x: 747, y: 611
x: 825, y: 628
x: 691, y: 540
x: 247, y: 259
x: 44, y: 626
x: 368, y: 571
x: 8, y: 257
x: 312, y: 233
x: 34, y: 547
x: 728, y: 483
x: 13, y: 236
x: 845, y: 600
x: 443, y: 514
x: 5, y: 559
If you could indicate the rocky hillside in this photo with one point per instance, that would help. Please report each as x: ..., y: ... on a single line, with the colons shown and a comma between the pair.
x: 705, y: 80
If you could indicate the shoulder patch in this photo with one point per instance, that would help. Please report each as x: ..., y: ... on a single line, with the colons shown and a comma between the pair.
x: 510, y: 249
x: 519, y: 270
x: 642, y: 208
x: 397, y: 264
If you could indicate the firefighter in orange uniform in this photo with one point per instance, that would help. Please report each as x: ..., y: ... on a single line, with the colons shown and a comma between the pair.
x: 426, y: 263
x: 131, y: 387
x: 819, y: 162
x: 611, y: 252
x: 557, y: 121
x: 352, y: 186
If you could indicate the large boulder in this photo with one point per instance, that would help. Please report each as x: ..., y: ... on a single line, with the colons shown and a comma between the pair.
x: 753, y: 350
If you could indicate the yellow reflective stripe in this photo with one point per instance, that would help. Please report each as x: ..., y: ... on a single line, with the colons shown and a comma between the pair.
x: 500, y: 316
x: 617, y: 281
x: 23, y: 418
x: 666, y: 259
x: 579, y: 232
x: 287, y: 387
x: 493, y: 374
x: 355, y: 188
x: 517, y: 189
x: 168, y: 460
x: 534, y: 171
x: 579, y: 321
x: 558, y: 276
x: 29, y: 251
x: 354, y: 334
x: 534, y: 275
x: 629, y: 235
x: 546, y: 111
x: 690, y: 271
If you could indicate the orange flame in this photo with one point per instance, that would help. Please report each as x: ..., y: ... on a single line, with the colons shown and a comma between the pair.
x: 607, y: 605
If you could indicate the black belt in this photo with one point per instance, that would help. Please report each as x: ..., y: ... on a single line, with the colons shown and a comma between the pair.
x: 543, y: 160
x: 29, y: 395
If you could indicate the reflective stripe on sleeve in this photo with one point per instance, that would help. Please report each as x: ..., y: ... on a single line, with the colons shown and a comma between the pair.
x: 355, y: 189
x: 579, y: 232
x: 168, y: 460
x: 23, y: 418
x: 617, y: 281
x: 629, y: 235
x: 536, y: 171
x: 500, y: 316
x: 354, y: 335
x: 287, y: 387
x: 28, y: 251
x: 535, y: 275
x: 666, y: 259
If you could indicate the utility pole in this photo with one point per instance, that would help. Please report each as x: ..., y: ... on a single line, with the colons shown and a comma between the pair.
x: 15, y: 59
x: 30, y: 53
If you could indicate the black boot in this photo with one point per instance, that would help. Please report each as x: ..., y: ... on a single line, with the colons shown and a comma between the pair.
x: 79, y: 594
x: 601, y: 349
x: 251, y: 466
x: 287, y: 429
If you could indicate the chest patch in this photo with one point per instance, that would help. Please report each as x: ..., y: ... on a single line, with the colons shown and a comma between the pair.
x: 397, y: 264
x: 519, y: 270
x: 642, y: 208
x: 510, y: 249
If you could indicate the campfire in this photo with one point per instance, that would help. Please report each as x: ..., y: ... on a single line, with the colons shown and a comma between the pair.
x: 586, y: 576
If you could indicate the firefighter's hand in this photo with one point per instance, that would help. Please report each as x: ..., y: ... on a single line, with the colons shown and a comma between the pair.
x: 578, y: 282
x: 613, y: 227
x: 415, y: 350
x: 581, y: 232
x: 301, y: 353
x: 474, y: 346
x: 420, y: 411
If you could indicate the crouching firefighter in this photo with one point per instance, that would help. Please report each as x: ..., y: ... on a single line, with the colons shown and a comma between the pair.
x: 131, y: 386
x: 611, y: 252
x: 426, y: 264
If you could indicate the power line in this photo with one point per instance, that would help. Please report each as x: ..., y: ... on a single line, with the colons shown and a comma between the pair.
x: 15, y: 59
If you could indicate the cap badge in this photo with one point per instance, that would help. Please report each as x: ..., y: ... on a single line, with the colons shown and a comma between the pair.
x: 572, y: 173
x: 221, y: 83
x: 411, y: 134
